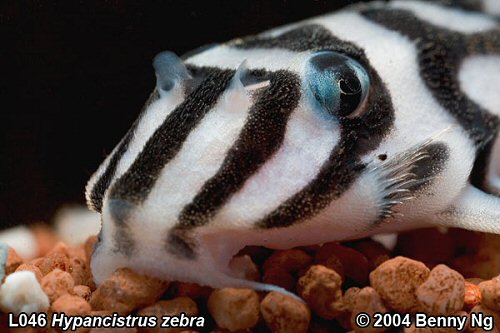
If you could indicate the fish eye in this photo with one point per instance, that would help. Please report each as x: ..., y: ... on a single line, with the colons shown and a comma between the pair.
x: 339, y: 83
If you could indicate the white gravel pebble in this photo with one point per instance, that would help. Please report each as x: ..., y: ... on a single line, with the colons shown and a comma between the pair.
x: 22, y: 240
x: 74, y: 224
x: 4, y: 255
x: 387, y: 240
x: 21, y: 292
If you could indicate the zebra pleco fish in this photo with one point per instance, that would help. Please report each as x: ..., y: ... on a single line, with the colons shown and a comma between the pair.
x: 377, y: 118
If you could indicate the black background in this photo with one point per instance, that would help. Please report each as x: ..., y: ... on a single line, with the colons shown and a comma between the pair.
x: 74, y: 75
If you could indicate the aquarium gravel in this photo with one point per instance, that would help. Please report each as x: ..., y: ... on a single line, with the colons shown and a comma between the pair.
x: 436, y: 272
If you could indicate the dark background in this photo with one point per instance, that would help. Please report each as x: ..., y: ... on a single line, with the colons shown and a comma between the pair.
x: 74, y: 75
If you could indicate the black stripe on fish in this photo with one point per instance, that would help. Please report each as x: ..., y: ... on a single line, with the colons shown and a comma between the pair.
x: 358, y: 136
x: 167, y: 140
x: 311, y: 37
x: 440, y: 54
x: 135, y: 184
x: 262, y: 135
x: 475, y: 5
x: 102, y: 183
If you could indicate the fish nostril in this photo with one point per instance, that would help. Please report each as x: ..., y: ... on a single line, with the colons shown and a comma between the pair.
x: 119, y: 210
x: 170, y: 71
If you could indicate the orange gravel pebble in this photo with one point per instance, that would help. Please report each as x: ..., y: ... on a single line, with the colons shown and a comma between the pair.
x: 31, y: 268
x: 113, y: 330
x: 100, y: 313
x: 375, y: 252
x: 411, y: 244
x: 398, y: 285
x: 54, y: 260
x: 367, y: 300
x: 472, y: 296
x: 89, y: 247
x: 284, y: 314
x: 330, y: 261
x: 24, y: 330
x: 350, y: 296
x: 191, y: 290
x: 233, y: 308
x: 223, y: 330
x: 59, y: 247
x: 486, y: 312
x: 80, y: 271
x: 490, y: 293
x: 126, y: 290
x: 57, y: 283
x: 355, y: 265
x: 78, y: 251
x: 443, y: 292
x: 484, y: 262
x: 13, y: 261
x: 168, y: 308
x: 413, y: 329
x: 82, y: 291
x: 320, y: 287
x: 396, y: 281
x: 71, y: 305
x: 279, y: 277
x: 349, y: 299
x: 289, y: 260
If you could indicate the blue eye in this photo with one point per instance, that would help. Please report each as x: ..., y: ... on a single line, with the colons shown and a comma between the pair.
x: 339, y: 83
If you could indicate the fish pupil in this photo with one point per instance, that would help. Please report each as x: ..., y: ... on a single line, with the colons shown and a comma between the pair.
x: 338, y: 83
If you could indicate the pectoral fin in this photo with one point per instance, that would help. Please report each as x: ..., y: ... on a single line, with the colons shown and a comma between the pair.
x: 473, y: 210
